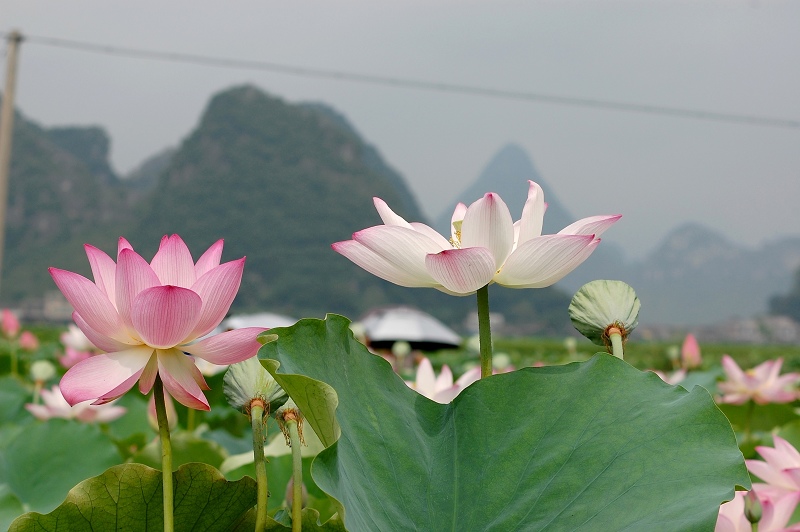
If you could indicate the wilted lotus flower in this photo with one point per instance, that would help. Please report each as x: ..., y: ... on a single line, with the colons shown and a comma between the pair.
x: 145, y: 316
x: 601, y: 305
x: 486, y: 247
x: 762, y: 384
x: 780, y: 469
x: 775, y: 514
x: 9, y: 324
x: 690, y: 353
x: 55, y: 406
x: 441, y: 389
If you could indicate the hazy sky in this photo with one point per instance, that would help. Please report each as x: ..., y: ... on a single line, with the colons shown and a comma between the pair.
x: 726, y: 56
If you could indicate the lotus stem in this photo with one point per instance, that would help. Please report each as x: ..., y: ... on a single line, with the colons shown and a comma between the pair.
x: 297, y: 476
x: 485, y: 331
x: 166, y: 454
x: 615, y: 335
x: 257, y: 423
x: 14, y: 361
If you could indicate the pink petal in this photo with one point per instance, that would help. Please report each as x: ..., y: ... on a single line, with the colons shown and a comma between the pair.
x: 470, y: 376
x: 123, y: 244
x: 148, y: 376
x: 40, y: 412
x: 229, y: 347
x: 544, y: 260
x: 432, y: 234
x: 777, y: 512
x: 165, y: 315
x: 732, y: 369
x: 217, y: 289
x: 209, y: 260
x: 103, y: 270
x: 593, y: 225
x: 401, y: 246
x: 768, y: 474
x: 173, y: 263
x: 447, y: 395
x: 178, y: 373
x: 462, y: 271
x: 488, y: 224
x: 134, y: 275
x: 101, y: 341
x: 445, y: 379
x: 425, y: 382
x: 387, y: 215
x: 100, y: 375
x: 378, y: 266
x: 530, y: 224
x: 91, y: 303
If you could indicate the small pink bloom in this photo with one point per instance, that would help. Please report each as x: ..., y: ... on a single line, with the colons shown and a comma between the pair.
x: 486, y: 246
x: 775, y: 514
x: 780, y: 469
x: 73, y: 337
x: 55, y: 406
x: 673, y: 378
x: 146, y: 317
x: 73, y: 356
x: 762, y: 384
x: 441, y: 389
x: 28, y: 341
x: 9, y: 324
x: 690, y: 353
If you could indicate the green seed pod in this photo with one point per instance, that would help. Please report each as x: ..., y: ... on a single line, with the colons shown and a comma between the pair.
x: 599, y: 305
x: 248, y: 380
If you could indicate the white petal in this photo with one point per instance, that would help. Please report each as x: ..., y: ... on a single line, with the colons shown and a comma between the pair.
x: 530, y: 224
x: 378, y: 266
x: 488, y: 224
x: 462, y: 271
x: 593, y: 225
x: 544, y: 260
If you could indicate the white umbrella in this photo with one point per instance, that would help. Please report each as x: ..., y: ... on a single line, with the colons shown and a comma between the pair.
x: 383, y: 327
x: 261, y: 319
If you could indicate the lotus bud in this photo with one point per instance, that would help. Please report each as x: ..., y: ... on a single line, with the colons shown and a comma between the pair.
x: 9, y: 324
x: 42, y: 371
x: 401, y: 349
x: 752, y: 507
x: 690, y: 353
x: 247, y: 381
x: 28, y: 341
x: 600, y: 306
x: 289, y: 411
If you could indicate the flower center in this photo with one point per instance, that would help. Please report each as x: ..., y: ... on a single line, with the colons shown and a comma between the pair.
x: 455, y: 240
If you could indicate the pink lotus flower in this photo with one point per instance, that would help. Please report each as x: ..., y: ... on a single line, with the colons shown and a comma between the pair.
x: 73, y: 356
x: 74, y: 338
x: 690, y: 353
x: 28, y: 341
x: 780, y: 469
x: 486, y: 246
x: 676, y: 377
x: 55, y: 406
x: 9, y: 324
x: 761, y: 384
x: 775, y: 514
x: 441, y: 389
x: 145, y: 316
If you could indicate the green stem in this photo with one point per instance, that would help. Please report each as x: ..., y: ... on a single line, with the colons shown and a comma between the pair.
x: 166, y: 454
x: 190, y: 420
x: 297, y: 476
x: 14, y: 361
x: 257, y: 423
x: 485, y: 331
x: 748, y: 420
x: 615, y: 336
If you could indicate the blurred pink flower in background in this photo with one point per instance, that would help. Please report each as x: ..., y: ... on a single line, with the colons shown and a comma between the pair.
x: 762, y: 384
x: 9, y: 324
x: 55, y: 406
x: 73, y: 337
x: 441, y: 389
x: 690, y: 353
x: 676, y: 377
x: 145, y: 316
x: 486, y: 246
x: 775, y: 514
x: 28, y: 341
x: 73, y: 356
x: 779, y: 471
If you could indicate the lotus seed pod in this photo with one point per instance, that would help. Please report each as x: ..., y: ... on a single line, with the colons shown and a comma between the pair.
x: 248, y: 380
x: 599, y: 305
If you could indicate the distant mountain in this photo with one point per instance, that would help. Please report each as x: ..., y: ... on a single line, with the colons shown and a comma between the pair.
x: 145, y: 176
x: 507, y: 174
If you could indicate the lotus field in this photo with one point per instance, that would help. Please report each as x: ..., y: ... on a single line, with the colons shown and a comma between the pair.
x: 143, y: 416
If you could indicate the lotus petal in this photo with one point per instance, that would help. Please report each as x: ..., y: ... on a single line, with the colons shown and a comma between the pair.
x: 462, y: 271
x: 103, y: 375
x: 229, y: 347
x: 164, y: 315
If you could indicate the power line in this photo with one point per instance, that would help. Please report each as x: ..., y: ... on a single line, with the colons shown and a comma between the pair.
x: 389, y: 81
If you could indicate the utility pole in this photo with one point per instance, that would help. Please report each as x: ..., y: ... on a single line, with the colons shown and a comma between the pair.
x: 6, y: 132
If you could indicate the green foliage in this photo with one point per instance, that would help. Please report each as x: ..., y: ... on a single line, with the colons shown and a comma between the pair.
x: 596, y: 444
x: 128, y: 497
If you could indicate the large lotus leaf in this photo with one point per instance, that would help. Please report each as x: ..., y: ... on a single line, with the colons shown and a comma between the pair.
x: 10, y: 507
x: 45, y: 459
x: 597, y: 445
x: 128, y: 497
